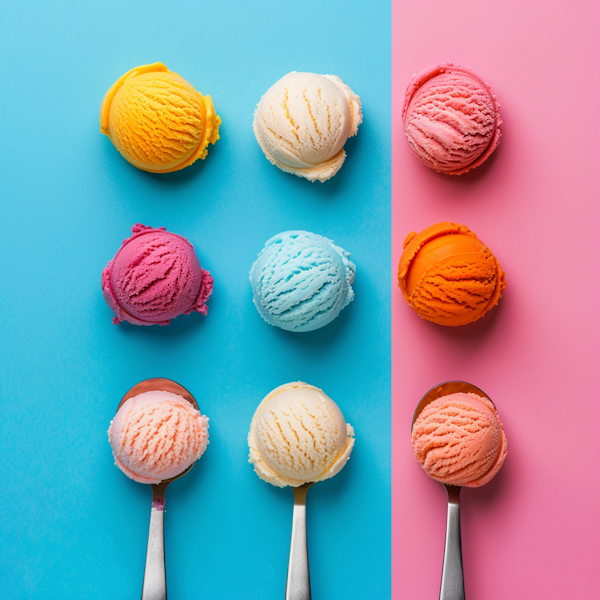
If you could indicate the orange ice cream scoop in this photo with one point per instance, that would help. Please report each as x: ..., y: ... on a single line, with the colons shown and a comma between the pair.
x: 448, y: 276
x: 157, y: 120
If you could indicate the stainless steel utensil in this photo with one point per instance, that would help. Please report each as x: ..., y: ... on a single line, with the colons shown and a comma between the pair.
x: 298, y: 579
x: 155, y: 576
x: 453, y: 587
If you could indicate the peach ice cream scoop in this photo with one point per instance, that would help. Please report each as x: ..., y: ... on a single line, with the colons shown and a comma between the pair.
x: 451, y: 119
x: 157, y: 120
x: 458, y: 440
x: 448, y: 276
x: 156, y: 436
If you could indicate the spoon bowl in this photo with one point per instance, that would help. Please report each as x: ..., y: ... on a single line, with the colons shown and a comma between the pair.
x: 452, y: 586
x: 160, y: 384
x: 155, y: 577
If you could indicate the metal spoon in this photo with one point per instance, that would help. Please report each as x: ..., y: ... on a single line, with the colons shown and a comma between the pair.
x: 155, y: 576
x: 453, y: 587
x: 298, y: 579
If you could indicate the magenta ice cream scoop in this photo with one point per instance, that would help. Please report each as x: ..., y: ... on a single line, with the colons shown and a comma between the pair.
x: 154, y: 277
x: 451, y: 119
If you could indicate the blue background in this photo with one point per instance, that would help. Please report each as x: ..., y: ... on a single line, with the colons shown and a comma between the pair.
x: 73, y: 526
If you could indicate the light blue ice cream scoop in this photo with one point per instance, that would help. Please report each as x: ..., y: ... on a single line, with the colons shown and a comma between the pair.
x: 301, y: 281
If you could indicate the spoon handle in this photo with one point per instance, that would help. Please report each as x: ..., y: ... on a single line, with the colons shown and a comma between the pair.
x: 298, y: 579
x: 453, y: 587
x: 155, y: 575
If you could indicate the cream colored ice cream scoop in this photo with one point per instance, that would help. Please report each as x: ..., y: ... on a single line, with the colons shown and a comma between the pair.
x: 303, y: 122
x: 299, y: 436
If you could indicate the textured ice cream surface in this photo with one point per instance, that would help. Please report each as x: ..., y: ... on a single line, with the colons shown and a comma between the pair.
x: 458, y: 440
x: 448, y: 276
x: 301, y: 281
x: 157, y: 120
x: 451, y: 119
x: 299, y: 435
x: 154, y: 277
x: 156, y: 436
x: 303, y: 122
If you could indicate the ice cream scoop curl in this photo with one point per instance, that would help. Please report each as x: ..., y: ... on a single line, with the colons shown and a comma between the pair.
x: 303, y: 122
x: 157, y: 120
x: 448, y: 276
x: 451, y: 119
x: 298, y: 435
x: 458, y: 440
x: 156, y: 436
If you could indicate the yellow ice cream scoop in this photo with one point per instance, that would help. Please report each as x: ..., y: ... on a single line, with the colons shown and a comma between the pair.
x: 157, y: 120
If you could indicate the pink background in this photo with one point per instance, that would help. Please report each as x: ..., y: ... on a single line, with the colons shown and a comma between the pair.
x: 534, y: 531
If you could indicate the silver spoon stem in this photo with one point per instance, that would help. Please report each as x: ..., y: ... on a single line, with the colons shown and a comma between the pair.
x: 453, y: 587
x: 298, y: 579
x: 155, y: 574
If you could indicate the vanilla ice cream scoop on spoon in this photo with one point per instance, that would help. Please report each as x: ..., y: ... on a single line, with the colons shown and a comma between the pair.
x: 303, y: 122
x: 156, y: 437
x: 298, y: 436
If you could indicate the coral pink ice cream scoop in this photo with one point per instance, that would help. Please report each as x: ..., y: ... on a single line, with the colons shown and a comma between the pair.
x: 451, y: 119
x: 156, y: 436
x: 154, y: 277
x: 458, y: 440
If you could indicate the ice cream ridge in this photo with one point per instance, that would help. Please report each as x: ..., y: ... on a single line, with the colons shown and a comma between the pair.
x: 448, y: 276
x: 157, y: 120
x: 154, y: 277
x: 458, y: 440
x: 303, y: 121
x: 451, y: 119
x: 156, y: 436
x: 301, y: 281
x: 298, y: 435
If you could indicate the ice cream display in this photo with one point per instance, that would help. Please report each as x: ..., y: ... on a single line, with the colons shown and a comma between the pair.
x: 301, y: 281
x: 458, y: 440
x: 303, y: 122
x: 156, y: 436
x: 157, y: 120
x: 298, y: 435
x: 448, y: 276
x: 155, y: 276
x: 451, y: 119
